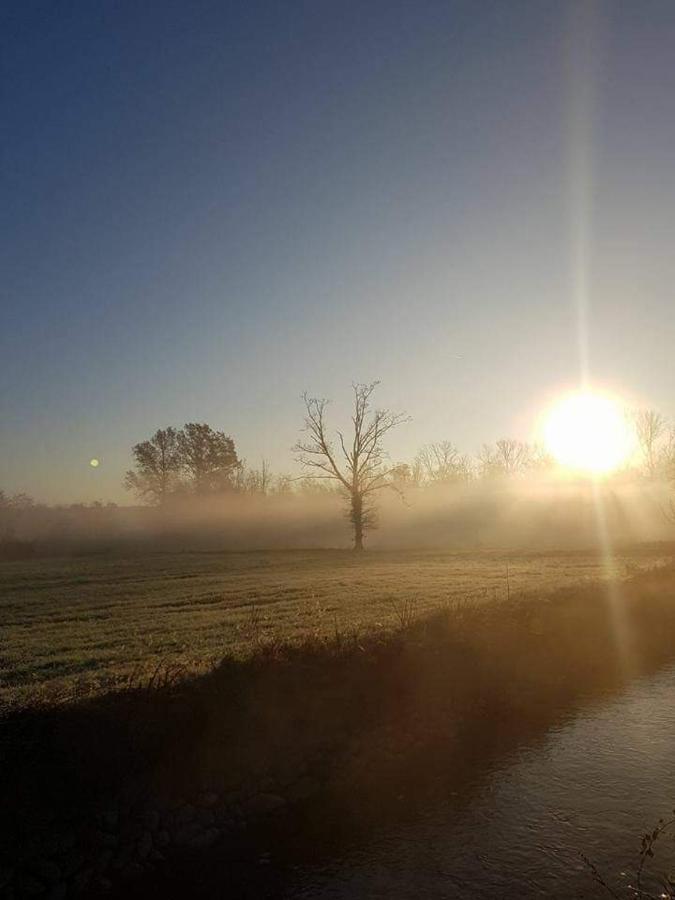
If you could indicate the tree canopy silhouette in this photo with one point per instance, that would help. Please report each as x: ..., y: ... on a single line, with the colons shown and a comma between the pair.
x: 194, y: 458
x: 158, y: 466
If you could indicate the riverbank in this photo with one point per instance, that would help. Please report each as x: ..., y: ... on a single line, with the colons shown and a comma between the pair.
x: 338, y: 732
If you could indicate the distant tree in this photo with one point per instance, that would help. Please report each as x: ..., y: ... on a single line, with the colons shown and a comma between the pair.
x: 514, y: 456
x: 358, y: 466
x: 281, y: 484
x: 12, y: 508
x: 441, y: 463
x: 158, y: 463
x: 650, y: 428
x: 540, y: 458
x: 507, y: 457
x: 401, y: 475
x: 256, y: 481
x: 208, y: 458
x: 668, y: 456
x: 19, y: 501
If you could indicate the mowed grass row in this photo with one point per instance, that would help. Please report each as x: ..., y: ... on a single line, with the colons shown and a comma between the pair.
x: 87, y: 624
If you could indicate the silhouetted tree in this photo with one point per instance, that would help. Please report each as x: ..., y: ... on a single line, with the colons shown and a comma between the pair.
x: 650, y: 427
x: 158, y: 466
x: 282, y: 484
x: 256, y: 481
x: 208, y: 458
x: 507, y: 457
x: 358, y: 466
x: 441, y: 463
x: 12, y: 508
x: 16, y: 501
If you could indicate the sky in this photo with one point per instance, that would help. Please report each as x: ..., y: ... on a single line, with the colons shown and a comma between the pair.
x: 209, y: 208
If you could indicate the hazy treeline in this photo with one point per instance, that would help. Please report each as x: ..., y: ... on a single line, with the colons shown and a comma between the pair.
x: 198, y: 460
x: 531, y: 512
x: 196, y: 491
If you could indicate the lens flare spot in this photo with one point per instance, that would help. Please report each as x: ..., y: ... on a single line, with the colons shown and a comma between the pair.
x: 588, y: 432
x: 94, y: 463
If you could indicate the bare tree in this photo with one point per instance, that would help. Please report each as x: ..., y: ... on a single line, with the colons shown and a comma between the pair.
x: 256, y: 481
x: 507, y: 457
x: 158, y: 465
x: 650, y: 427
x: 441, y: 463
x: 515, y: 456
x: 359, y: 463
x: 282, y: 484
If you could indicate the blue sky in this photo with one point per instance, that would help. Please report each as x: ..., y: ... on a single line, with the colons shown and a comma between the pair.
x: 209, y: 208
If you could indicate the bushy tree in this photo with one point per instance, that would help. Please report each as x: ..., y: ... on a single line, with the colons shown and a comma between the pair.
x: 208, y: 458
x: 195, y: 458
x: 158, y: 465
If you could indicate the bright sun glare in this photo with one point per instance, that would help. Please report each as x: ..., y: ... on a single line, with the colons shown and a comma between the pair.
x: 588, y: 432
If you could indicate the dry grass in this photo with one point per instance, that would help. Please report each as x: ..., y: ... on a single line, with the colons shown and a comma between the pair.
x: 85, y: 625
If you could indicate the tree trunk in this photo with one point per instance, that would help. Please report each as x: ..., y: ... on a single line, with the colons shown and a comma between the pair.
x: 357, y: 520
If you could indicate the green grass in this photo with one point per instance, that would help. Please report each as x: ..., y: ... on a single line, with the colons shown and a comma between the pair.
x: 88, y: 624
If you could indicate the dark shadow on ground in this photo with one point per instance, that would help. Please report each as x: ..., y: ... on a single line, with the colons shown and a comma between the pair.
x: 350, y: 733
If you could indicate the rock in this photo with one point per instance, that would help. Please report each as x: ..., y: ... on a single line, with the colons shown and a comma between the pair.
x: 205, y: 817
x: 265, y: 804
x: 183, y: 836
x: 132, y: 832
x: 106, y: 839
x: 103, y: 860
x: 150, y: 819
x: 123, y: 857
x: 67, y: 841
x: 185, y: 814
x: 29, y: 885
x: 224, y: 816
x: 162, y: 838
x: 132, y: 871
x: 51, y: 845
x: 71, y: 863
x: 208, y: 799
x: 234, y: 799
x: 144, y: 845
x: 110, y: 819
x: 82, y: 879
x: 47, y: 870
x: 303, y: 788
x: 206, y: 839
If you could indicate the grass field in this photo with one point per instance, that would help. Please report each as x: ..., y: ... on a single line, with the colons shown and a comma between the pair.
x: 88, y: 624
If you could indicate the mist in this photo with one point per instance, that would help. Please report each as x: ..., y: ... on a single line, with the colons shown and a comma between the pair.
x: 534, y: 512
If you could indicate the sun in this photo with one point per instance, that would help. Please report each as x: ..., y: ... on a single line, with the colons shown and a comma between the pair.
x: 588, y: 432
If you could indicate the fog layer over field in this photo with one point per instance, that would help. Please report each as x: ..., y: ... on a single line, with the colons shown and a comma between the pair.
x: 527, y: 513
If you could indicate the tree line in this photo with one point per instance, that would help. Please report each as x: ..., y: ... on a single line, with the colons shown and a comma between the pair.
x: 198, y: 460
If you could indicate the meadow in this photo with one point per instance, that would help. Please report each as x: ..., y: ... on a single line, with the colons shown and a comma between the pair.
x: 84, y: 625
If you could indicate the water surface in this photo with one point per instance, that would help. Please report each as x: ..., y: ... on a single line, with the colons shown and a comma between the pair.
x: 594, y: 784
